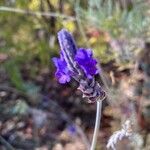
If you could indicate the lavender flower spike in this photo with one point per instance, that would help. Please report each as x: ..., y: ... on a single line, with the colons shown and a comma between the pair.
x: 77, y: 63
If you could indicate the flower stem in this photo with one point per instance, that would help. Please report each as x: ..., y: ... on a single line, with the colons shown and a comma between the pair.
x: 97, y: 124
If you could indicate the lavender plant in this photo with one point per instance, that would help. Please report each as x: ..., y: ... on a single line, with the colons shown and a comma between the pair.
x: 126, y: 131
x: 79, y: 64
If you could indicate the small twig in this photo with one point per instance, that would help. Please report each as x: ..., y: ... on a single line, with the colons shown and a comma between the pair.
x: 78, y: 20
x: 6, y: 144
x: 82, y: 31
x: 37, y: 13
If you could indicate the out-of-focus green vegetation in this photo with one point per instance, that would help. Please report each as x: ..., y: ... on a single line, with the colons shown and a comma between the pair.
x: 126, y: 21
x: 128, y: 18
x: 26, y: 39
x: 110, y: 28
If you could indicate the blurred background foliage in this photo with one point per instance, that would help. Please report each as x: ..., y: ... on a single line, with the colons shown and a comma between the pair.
x: 117, y: 31
x: 107, y: 26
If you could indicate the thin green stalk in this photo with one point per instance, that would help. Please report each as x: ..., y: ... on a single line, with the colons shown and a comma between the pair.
x: 97, y: 124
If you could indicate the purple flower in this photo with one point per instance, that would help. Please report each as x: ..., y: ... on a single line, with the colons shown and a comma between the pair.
x: 84, y: 58
x: 78, y: 64
x: 62, y: 73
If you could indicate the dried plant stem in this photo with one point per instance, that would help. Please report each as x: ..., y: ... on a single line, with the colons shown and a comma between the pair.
x: 97, y: 124
x: 126, y: 131
x: 6, y: 144
x: 37, y: 13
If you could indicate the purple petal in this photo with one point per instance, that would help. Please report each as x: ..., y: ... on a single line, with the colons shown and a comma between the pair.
x: 84, y: 58
x: 62, y: 73
x: 60, y: 64
x: 62, y: 77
